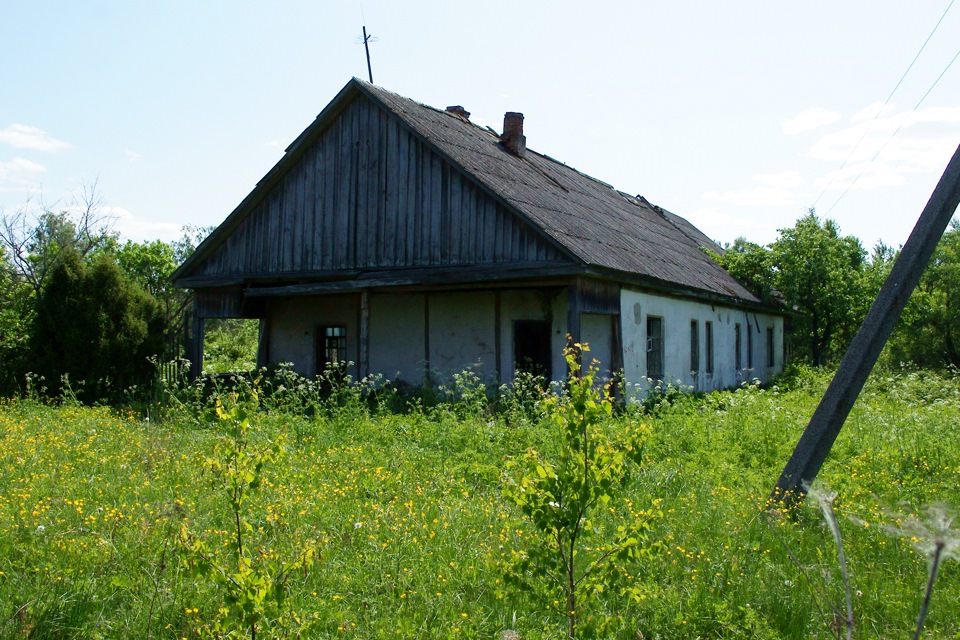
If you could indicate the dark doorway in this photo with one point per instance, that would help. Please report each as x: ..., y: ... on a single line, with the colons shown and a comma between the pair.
x: 531, y: 347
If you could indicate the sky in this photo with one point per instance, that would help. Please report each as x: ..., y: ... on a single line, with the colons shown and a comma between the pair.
x: 739, y: 115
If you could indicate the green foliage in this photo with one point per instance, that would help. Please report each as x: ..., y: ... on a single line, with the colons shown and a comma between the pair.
x: 415, y: 531
x: 95, y: 327
x: 16, y: 315
x: 578, y: 552
x: 818, y: 273
x: 254, y: 585
x: 230, y: 345
x: 928, y: 335
x: 752, y: 265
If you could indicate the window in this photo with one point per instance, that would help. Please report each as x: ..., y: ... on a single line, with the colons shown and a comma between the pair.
x: 708, y: 337
x: 749, y: 347
x: 655, y: 348
x: 331, y: 346
x: 531, y: 347
x: 694, y: 347
x: 769, y: 346
x: 738, y: 358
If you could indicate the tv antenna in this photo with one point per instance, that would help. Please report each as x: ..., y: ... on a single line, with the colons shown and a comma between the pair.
x: 367, y: 39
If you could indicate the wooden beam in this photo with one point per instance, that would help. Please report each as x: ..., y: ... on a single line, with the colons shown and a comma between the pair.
x: 573, y: 311
x: 364, y: 359
x: 497, y: 338
x: 426, y: 338
x: 828, y: 419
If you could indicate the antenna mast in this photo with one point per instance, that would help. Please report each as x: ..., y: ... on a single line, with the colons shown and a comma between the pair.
x: 366, y: 40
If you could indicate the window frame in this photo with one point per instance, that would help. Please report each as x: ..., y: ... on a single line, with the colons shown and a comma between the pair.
x: 694, y: 347
x: 708, y: 346
x: 654, y: 345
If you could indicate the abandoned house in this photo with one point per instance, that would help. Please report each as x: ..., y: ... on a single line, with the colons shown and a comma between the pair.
x: 414, y: 243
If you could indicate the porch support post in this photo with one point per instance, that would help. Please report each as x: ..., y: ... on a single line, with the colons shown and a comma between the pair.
x: 574, y: 305
x: 195, y: 353
x: 497, y: 339
x: 364, y: 364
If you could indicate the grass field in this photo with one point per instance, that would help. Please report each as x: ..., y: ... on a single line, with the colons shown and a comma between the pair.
x: 407, y: 514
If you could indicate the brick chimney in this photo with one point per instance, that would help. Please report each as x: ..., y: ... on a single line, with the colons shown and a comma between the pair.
x: 457, y: 110
x: 512, y: 137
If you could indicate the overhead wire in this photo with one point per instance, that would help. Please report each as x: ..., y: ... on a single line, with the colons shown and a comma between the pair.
x: 883, y: 106
x: 893, y: 135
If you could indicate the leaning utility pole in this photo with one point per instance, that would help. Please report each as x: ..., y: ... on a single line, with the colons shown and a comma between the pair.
x: 827, y: 420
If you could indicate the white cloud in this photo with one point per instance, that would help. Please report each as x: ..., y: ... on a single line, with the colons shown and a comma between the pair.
x: 132, y: 156
x: 22, y: 136
x: 19, y: 166
x: 784, y: 180
x: 873, y: 110
x: 130, y: 227
x: 882, y: 152
x: 812, y: 118
x: 716, y: 223
x: 774, y: 190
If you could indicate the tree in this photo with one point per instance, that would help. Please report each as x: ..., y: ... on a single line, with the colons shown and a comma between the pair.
x: 819, y: 274
x: 16, y: 314
x: 752, y: 265
x: 928, y: 334
x: 36, y: 243
x: 96, y: 326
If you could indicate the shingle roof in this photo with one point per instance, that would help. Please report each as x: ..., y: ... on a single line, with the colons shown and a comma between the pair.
x: 603, y: 227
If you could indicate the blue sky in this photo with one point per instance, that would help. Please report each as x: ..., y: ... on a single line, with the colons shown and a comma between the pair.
x: 737, y: 115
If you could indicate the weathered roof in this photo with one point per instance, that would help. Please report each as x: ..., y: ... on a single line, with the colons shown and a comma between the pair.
x: 602, y: 226
x: 605, y: 229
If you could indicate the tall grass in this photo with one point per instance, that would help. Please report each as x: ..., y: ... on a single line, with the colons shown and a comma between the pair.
x: 414, y: 532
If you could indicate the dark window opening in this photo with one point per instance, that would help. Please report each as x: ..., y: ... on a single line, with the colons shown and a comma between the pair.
x: 708, y: 336
x: 531, y: 347
x: 654, y: 348
x: 331, y: 346
x: 749, y: 347
x: 694, y: 347
x: 770, y: 355
x: 738, y: 346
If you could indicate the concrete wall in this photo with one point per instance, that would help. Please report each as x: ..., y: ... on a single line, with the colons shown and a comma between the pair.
x: 397, y: 348
x: 293, y: 324
x: 677, y: 315
x: 463, y: 333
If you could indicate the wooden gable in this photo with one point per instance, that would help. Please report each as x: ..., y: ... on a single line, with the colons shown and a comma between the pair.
x: 367, y: 193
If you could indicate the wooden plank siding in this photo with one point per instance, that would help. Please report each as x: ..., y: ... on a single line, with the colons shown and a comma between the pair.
x: 369, y: 194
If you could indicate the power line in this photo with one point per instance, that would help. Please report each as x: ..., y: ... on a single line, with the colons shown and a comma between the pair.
x: 880, y: 110
x: 893, y: 135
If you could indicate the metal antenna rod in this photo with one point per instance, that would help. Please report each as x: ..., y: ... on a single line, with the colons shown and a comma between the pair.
x: 366, y: 40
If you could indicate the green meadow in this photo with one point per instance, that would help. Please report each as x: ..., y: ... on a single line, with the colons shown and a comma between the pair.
x: 399, y: 504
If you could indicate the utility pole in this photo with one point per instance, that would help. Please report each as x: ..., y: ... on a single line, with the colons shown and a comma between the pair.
x: 827, y: 420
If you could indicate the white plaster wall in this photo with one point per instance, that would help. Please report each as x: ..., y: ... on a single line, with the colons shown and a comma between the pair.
x: 293, y: 323
x: 397, y: 349
x: 462, y: 334
x: 677, y: 315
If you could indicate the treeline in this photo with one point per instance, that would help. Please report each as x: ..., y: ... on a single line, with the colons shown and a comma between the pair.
x: 80, y: 307
x: 828, y: 281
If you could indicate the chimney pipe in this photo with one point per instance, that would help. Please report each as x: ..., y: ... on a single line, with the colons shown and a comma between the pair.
x: 513, y: 138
